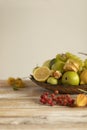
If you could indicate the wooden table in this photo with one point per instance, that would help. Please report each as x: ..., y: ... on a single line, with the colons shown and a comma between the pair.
x: 21, y: 110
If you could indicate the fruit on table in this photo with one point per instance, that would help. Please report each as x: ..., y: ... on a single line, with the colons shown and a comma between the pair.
x: 81, y: 100
x: 70, y: 78
x: 19, y: 83
x: 41, y: 74
x: 83, y: 77
x: 52, y: 80
x: 16, y: 83
x: 63, y: 100
x: 55, y: 99
x: 11, y: 81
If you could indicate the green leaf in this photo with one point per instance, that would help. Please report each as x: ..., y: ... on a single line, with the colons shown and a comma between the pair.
x: 15, y: 88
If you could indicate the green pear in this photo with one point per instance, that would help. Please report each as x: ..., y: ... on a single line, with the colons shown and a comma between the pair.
x: 70, y: 78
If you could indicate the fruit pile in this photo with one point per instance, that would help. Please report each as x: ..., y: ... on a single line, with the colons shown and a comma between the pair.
x: 64, y: 68
x: 16, y: 83
x: 63, y: 100
x: 54, y: 99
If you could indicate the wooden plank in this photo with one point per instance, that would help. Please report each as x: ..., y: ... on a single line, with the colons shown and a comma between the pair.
x: 31, y: 89
x: 47, y: 114
x: 44, y: 119
x: 27, y: 102
x: 59, y: 126
x: 22, y: 110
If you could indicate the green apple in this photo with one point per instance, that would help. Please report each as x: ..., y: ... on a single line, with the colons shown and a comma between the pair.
x: 70, y: 78
x: 52, y: 80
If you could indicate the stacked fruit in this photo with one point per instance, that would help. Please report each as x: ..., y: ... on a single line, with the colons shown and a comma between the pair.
x: 64, y: 68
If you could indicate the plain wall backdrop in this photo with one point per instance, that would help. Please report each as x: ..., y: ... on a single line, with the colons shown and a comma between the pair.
x: 32, y: 31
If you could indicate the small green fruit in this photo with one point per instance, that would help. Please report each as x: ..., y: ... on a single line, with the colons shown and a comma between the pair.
x: 52, y: 80
x: 70, y: 78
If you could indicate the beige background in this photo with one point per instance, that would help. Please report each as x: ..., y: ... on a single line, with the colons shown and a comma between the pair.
x: 32, y: 31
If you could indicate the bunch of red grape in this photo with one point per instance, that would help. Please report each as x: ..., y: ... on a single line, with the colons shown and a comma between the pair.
x: 54, y: 99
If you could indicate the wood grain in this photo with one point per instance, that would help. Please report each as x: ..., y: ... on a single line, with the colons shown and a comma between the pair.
x: 21, y: 110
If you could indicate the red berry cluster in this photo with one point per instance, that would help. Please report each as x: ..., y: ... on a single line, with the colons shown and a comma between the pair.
x: 65, y: 100
x: 54, y: 99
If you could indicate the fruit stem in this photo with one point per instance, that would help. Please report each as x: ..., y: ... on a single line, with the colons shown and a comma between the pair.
x: 82, y: 90
x: 82, y: 53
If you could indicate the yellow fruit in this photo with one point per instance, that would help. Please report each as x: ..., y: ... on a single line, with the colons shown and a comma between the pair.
x: 83, y: 77
x: 81, y: 100
x: 71, y: 65
x: 19, y: 83
x: 57, y: 74
x: 35, y: 68
x: 11, y: 81
x: 41, y: 74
